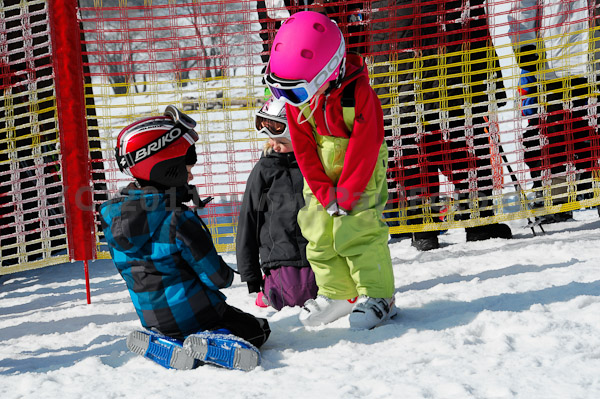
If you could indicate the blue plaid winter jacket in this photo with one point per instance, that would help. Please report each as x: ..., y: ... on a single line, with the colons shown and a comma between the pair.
x: 166, y: 256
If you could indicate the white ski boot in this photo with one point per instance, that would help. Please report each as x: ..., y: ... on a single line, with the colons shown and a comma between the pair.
x: 369, y: 312
x: 324, y: 310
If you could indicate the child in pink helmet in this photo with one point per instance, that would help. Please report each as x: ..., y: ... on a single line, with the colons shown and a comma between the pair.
x: 343, y: 158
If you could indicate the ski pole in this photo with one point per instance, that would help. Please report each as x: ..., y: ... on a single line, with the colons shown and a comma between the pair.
x: 514, y: 179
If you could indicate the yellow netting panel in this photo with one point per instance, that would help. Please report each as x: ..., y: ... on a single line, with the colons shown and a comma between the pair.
x: 32, y: 231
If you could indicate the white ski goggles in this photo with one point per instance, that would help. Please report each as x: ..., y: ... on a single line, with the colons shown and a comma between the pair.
x: 271, y: 127
x: 298, y: 91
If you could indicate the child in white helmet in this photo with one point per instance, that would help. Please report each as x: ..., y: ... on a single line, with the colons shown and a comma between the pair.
x: 270, y: 248
x: 343, y: 157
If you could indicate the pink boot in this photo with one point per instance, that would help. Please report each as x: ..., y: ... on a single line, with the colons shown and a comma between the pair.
x: 261, y: 301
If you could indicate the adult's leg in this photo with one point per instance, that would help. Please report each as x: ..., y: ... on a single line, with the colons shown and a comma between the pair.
x: 268, y: 29
x: 585, y: 135
x: 392, y: 208
x: 420, y: 176
x: 471, y: 173
x: 558, y: 150
x: 554, y: 128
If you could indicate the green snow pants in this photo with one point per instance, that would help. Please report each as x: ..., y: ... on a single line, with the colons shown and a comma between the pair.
x: 349, y: 254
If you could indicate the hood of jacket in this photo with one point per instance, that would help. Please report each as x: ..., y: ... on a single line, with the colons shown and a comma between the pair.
x: 130, y: 220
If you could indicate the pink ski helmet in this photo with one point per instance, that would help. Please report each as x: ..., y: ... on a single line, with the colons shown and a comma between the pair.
x: 308, y: 51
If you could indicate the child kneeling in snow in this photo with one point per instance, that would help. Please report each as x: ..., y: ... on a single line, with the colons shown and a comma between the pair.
x: 166, y: 256
x: 268, y: 237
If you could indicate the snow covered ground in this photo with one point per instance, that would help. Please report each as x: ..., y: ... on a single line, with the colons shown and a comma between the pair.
x: 494, y: 319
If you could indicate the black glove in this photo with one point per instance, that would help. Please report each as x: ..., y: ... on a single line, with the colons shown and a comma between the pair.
x: 255, y: 285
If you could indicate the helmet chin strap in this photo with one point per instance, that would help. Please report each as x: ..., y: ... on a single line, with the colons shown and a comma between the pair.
x: 314, y: 101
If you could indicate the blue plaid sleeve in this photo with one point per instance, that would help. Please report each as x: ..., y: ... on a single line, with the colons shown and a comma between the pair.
x: 199, y: 251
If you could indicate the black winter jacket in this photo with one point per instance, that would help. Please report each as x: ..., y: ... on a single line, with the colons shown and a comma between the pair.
x: 268, y: 234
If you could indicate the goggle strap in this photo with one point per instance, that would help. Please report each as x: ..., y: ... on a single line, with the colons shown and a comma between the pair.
x: 285, y: 83
x: 124, y: 161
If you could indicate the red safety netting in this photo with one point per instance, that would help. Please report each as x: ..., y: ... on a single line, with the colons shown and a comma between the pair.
x: 490, y: 107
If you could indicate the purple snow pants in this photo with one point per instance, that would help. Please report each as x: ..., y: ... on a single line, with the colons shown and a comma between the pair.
x: 290, y: 286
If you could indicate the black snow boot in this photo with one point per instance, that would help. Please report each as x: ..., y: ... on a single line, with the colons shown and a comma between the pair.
x: 425, y: 241
x: 480, y: 233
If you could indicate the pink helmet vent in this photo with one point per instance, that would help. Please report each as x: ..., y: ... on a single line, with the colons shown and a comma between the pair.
x: 306, y: 54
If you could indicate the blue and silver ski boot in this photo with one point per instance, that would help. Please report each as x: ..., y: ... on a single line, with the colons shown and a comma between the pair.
x: 223, y: 349
x: 166, y: 351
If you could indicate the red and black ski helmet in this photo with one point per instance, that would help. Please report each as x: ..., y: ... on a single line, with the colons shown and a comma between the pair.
x: 157, y: 149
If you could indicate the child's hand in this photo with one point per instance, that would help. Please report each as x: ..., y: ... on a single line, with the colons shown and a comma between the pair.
x: 255, y: 285
x: 334, y: 210
x: 527, y: 89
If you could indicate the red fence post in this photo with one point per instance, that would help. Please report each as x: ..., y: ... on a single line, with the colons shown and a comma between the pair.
x: 74, y: 146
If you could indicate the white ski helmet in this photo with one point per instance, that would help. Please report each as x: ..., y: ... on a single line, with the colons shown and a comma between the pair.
x: 271, y: 119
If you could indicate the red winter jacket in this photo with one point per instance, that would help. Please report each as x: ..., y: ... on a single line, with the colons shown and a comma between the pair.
x: 363, y: 148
